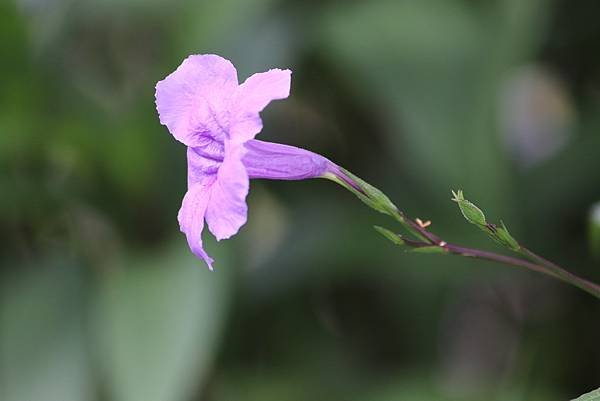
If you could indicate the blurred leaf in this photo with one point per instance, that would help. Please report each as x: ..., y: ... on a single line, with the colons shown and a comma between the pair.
x: 158, y: 322
x: 204, y: 27
x: 43, y: 354
x: 420, y: 389
x: 435, y: 90
x: 414, y: 73
x: 592, y: 396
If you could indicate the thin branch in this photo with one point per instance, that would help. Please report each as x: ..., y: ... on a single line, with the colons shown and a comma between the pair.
x: 536, y: 263
x: 562, y: 273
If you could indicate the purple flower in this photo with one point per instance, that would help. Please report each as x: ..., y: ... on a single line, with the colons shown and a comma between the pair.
x: 205, y: 108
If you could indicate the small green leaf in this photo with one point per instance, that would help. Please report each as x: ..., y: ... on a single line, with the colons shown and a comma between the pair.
x: 44, y: 346
x: 592, y: 396
x: 428, y: 249
x: 395, y: 238
x: 504, y: 237
x: 472, y: 213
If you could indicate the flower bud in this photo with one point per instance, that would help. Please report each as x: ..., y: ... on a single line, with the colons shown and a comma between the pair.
x: 472, y: 213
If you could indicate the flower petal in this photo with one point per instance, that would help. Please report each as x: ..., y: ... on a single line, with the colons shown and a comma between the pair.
x: 276, y: 161
x: 191, y: 219
x: 227, y: 209
x: 203, y: 164
x: 252, y: 97
x: 193, y: 101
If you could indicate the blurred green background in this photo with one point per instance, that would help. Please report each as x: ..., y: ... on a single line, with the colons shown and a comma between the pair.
x: 101, y: 300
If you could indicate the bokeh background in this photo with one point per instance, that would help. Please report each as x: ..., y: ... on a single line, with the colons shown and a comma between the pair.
x: 101, y: 300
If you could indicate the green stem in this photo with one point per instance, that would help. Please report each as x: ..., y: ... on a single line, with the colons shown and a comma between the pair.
x: 537, y: 264
x: 377, y: 200
x: 561, y: 273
